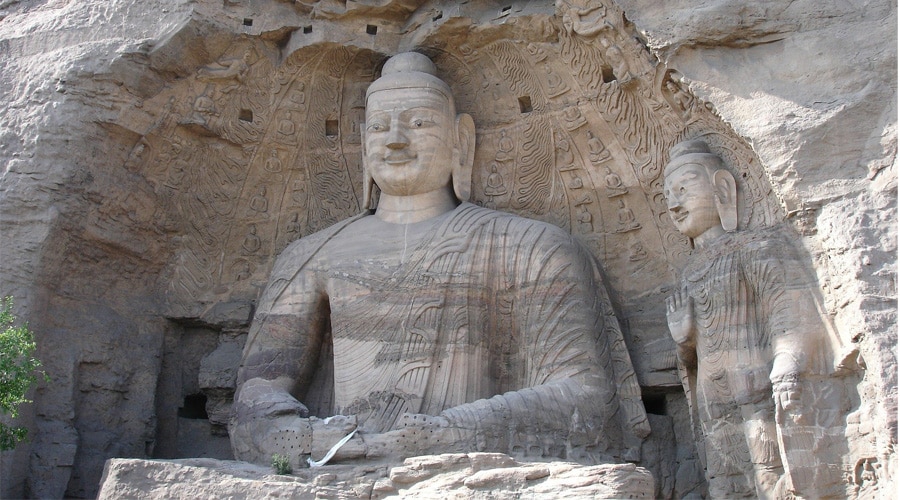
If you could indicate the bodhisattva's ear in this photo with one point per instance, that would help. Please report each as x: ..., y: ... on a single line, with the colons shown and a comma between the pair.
x: 368, y: 180
x: 465, y: 156
x: 726, y: 199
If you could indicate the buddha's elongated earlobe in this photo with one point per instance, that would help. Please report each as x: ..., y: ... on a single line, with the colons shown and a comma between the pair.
x: 726, y: 198
x: 368, y: 180
x: 464, y: 157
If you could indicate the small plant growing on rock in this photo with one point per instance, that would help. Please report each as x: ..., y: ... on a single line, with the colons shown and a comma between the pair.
x: 281, y: 464
x: 18, y: 371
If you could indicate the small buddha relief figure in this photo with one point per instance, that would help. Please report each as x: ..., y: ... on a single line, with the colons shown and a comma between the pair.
x: 751, y: 343
x: 204, y: 108
x: 235, y: 69
x: 572, y: 117
x: 505, y: 148
x: 260, y: 201
x: 565, y: 159
x: 681, y: 100
x: 293, y: 225
x: 273, y: 163
x: 598, y: 151
x: 617, y: 59
x: 586, y: 220
x: 286, y: 125
x: 614, y: 185
x: 494, y: 186
x: 251, y: 243
x: 625, y: 216
x: 555, y: 84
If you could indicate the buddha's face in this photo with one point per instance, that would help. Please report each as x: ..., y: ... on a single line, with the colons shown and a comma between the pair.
x: 691, y: 199
x: 409, y: 140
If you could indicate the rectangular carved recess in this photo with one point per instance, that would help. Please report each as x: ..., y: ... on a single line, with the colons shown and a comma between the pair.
x: 307, y: 30
x: 371, y: 29
x: 525, y: 104
x: 331, y: 128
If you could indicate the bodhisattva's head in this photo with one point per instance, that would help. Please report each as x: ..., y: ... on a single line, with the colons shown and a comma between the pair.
x: 413, y: 140
x: 701, y: 194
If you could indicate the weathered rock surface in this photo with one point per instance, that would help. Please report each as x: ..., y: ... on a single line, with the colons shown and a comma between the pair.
x: 474, y: 475
x: 130, y: 251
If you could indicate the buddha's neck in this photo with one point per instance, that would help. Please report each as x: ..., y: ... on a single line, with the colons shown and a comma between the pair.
x: 710, y: 234
x: 415, y: 208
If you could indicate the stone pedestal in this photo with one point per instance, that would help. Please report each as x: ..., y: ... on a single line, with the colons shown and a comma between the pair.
x: 472, y: 475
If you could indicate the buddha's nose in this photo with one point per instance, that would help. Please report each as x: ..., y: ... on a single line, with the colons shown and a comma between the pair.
x: 397, y: 139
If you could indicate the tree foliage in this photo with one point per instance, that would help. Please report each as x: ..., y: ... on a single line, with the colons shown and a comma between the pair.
x: 282, y: 464
x: 18, y: 371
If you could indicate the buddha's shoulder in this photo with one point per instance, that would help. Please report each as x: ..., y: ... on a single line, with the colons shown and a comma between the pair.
x: 305, y: 247
x: 512, y: 227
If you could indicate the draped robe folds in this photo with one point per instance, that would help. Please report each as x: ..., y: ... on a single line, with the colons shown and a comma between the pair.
x: 500, y: 324
x: 752, y: 302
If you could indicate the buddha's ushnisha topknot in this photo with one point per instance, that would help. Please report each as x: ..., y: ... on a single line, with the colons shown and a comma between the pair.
x: 409, y: 62
x: 410, y: 70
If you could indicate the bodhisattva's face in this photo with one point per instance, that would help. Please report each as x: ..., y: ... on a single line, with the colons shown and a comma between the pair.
x: 691, y: 200
x: 409, y: 141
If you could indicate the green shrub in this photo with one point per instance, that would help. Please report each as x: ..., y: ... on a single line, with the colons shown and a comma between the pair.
x: 18, y: 371
x: 281, y: 464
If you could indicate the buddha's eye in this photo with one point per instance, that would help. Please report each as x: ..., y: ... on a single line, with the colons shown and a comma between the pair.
x: 418, y: 122
x: 375, y: 127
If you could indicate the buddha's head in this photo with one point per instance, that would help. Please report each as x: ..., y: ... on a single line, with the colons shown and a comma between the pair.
x: 413, y: 140
x: 700, y: 193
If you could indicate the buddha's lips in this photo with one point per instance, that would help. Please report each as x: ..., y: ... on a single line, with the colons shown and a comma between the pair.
x: 680, y: 215
x: 399, y: 159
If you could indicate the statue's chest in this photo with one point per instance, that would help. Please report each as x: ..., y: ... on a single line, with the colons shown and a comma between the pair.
x: 721, y: 297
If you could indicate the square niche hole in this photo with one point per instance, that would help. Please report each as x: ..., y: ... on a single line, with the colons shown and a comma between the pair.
x: 307, y: 30
x: 371, y: 29
x: 245, y: 115
x: 607, y: 74
x: 248, y: 21
x: 525, y: 104
x: 331, y: 128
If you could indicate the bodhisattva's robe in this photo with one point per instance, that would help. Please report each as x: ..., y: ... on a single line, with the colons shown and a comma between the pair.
x: 752, y: 302
x: 500, y: 324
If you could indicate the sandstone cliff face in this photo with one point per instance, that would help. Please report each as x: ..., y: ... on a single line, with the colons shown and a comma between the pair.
x: 149, y: 179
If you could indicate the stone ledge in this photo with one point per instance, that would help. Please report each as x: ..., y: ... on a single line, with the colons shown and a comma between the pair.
x: 473, y: 475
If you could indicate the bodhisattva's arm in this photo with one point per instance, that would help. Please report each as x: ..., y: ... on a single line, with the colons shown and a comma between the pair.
x: 792, y: 320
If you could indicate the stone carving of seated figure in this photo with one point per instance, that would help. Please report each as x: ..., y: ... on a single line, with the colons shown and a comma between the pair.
x: 434, y: 325
x: 753, y: 348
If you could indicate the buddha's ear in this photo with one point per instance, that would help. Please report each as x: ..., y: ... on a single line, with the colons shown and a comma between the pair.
x: 726, y: 198
x: 368, y: 190
x: 464, y: 157
x: 368, y: 180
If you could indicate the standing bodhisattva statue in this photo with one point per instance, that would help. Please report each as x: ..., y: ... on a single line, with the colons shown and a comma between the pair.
x: 434, y: 325
x: 752, y: 345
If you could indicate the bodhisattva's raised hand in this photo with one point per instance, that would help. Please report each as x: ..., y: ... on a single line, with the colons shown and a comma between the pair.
x: 680, y: 316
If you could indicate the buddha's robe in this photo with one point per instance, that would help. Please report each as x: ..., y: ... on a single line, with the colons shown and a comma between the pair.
x: 500, y: 324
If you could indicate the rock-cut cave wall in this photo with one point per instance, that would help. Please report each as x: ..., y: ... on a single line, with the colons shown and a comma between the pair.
x: 158, y: 155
